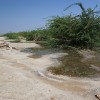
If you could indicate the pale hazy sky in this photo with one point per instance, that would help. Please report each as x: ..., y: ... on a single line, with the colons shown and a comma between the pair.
x: 22, y: 15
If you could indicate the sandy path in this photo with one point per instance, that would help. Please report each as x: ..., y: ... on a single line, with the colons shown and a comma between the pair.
x: 19, y: 79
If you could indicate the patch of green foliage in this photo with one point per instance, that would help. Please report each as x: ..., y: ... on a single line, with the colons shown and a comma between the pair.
x: 79, y: 31
x: 35, y: 35
x: 12, y: 35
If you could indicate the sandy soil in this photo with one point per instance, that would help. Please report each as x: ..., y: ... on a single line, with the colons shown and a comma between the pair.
x: 24, y: 78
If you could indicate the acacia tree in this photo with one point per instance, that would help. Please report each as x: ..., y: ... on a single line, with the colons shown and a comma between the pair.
x: 81, y: 30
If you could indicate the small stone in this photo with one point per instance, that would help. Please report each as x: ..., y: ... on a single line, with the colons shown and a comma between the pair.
x: 52, y: 98
x: 97, y: 96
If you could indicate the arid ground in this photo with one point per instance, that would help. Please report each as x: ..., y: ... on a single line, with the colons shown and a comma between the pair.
x: 25, y: 78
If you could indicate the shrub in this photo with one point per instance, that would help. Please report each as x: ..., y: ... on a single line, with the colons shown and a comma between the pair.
x: 79, y: 31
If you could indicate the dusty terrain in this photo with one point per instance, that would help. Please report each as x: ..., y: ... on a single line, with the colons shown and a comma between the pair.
x: 24, y: 78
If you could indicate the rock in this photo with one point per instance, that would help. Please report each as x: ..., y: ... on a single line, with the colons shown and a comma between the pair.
x: 14, y: 48
x: 97, y: 96
x: 4, y: 44
x: 95, y: 67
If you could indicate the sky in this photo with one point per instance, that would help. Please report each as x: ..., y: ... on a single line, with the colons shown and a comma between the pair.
x: 27, y: 15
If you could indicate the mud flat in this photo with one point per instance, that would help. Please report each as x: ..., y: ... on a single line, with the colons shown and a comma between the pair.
x: 24, y: 78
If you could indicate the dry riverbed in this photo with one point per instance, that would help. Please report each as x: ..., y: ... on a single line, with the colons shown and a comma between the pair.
x: 24, y: 78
